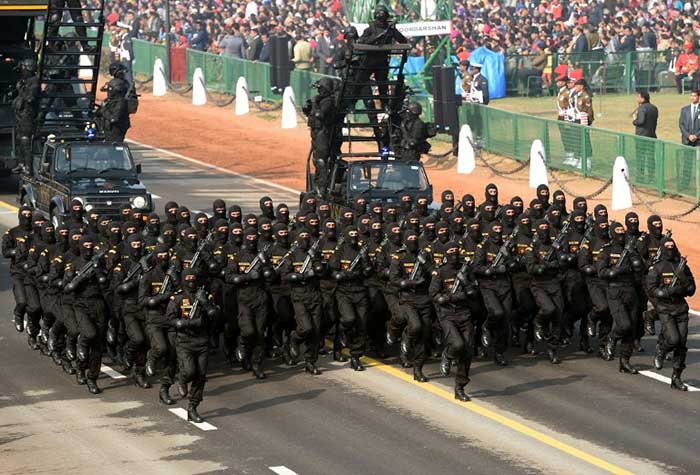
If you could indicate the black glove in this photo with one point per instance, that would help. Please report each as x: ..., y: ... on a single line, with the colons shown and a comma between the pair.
x: 238, y: 279
x: 339, y: 275
x: 310, y: 274
x: 213, y: 267
x: 678, y: 291
x: 538, y: 269
x: 661, y: 293
x: 253, y: 275
x: 488, y: 272
x: 13, y: 252
x: 589, y: 270
x: 637, y: 265
x: 294, y: 277
x: 564, y: 259
x: 442, y: 299
x: 454, y: 298
x: 44, y: 279
x: 500, y: 269
x: 513, y: 265
x: 181, y: 323
x: 612, y: 273
x: 552, y: 265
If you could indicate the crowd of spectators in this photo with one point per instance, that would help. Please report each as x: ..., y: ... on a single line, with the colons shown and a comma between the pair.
x: 241, y: 28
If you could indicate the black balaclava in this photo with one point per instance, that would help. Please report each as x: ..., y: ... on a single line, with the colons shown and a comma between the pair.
x: 536, y: 211
x: 74, y: 236
x: 76, y: 211
x: 578, y: 221
x: 281, y: 234
x: 600, y: 211
x: 410, y: 240
x: 669, y: 254
x: 250, y: 239
x: 632, y: 223
x: 581, y: 203
x: 330, y: 229
x: 406, y: 203
x: 168, y: 235
x: 524, y: 225
x: 324, y: 210
x: 115, y: 233
x: 554, y: 217
x: 395, y: 235
x: 422, y: 206
x: 543, y: 194
x: 63, y: 238
x: 508, y: 216
x: 282, y: 214
x: 267, y: 207
x: 103, y: 227
x: 250, y: 220
x: 218, y: 209
x: 457, y: 224
x: 183, y: 215
x: 304, y: 239
x: 171, y: 208
x: 543, y: 234
x: 235, y: 234
x: 496, y: 233
x: 235, y: 214
x: 517, y: 203
x: 137, y: 218
x: 37, y: 224
x: 559, y: 200
x: 447, y: 198
x: 128, y: 228
x: 602, y: 230
x: 360, y: 207
x: 300, y: 219
x: 48, y: 233
x: 313, y: 224
x: 452, y: 254
x: 190, y: 239
x: 442, y: 229
x: 153, y: 225
x: 85, y: 252
x: 25, y: 218
x: 201, y: 224
x: 429, y: 229
x: 351, y: 241
x: 655, y: 231
x: 488, y: 213
x: 468, y: 205
x: 491, y: 198
x: 376, y: 210
x: 446, y: 211
x: 265, y: 228
x: 160, y: 260
x: 363, y: 226
x: 617, y: 237
x: 309, y: 204
x: 135, y: 253
x: 221, y: 231
x: 181, y: 228
x: 375, y: 230
x: 94, y: 223
x: 189, y: 281
x: 391, y: 213
x: 347, y: 217
x: 125, y: 213
x: 413, y: 222
x: 474, y: 230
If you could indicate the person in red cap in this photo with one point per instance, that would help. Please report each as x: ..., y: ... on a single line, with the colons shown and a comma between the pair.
x: 687, y: 67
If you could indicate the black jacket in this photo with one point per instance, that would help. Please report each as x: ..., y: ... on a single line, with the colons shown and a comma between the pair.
x: 645, y: 123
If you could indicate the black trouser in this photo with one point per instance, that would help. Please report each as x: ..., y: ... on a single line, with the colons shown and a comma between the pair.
x: 330, y: 317
x: 49, y: 305
x: 623, y: 302
x: 550, y: 306
x: 353, y: 308
x: 18, y: 290
x: 307, y: 313
x: 70, y: 322
x: 379, y: 313
x: 252, y: 320
x: 458, y: 335
x: 230, y: 319
x: 524, y: 309
x: 283, y: 315
x: 134, y: 324
x: 417, y: 318
x: 577, y: 305
x: 641, y: 307
x: 114, y: 133
x: 499, y: 306
x: 675, y: 331
x: 600, y: 312
x: 33, y: 309
x: 162, y: 339
x: 92, y: 322
x: 25, y: 130
x: 193, y: 360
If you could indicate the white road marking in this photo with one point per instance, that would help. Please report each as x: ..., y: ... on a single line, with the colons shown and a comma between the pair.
x: 282, y: 470
x: 221, y: 169
x: 664, y: 379
x: 182, y: 414
x: 111, y: 373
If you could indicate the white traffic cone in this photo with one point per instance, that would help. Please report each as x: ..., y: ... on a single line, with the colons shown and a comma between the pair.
x: 199, y: 94
x: 242, y: 105
x: 621, y: 191
x: 289, y: 110
x: 466, y: 162
x: 160, y: 86
x: 538, y: 166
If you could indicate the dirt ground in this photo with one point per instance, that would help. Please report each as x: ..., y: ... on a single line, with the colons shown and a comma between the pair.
x: 255, y: 144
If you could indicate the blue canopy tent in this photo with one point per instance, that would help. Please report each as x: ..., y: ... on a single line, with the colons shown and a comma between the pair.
x: 494, y: 71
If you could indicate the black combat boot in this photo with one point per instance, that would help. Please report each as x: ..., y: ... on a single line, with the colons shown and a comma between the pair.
x: 192, y: 414
x: 294, y: 350
x: 70, y: 351
x: 626, y: 366
x: 460, y: 395
x: 356, y: 364
x: 591, y: 327
x: 312, y: 369
x: 182, y: 389
x: 418, y: 374
x: 19, y: 323
x: 68, y: 367
x: 610, y: 349
x: 80, y: 377
x: 33, y: 344
x: 140, y: 378
x: 56, y: 357
x: 150, y: 365
x: 539, y: 333
x: 677, y: 382
x: 486, y: 338
x: 649, y: 326
x: 390, y: 340
x: 500, y: 359
x: 584, y: 345
x: 445, y: 364
x: 164, y: 395
x: 258, y: 372
x: 339, y: 356
x: 659, y: 358
x: 92, y: 386
x: 553, y: 356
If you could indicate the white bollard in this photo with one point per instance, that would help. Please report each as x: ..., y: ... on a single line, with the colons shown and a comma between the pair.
x: 199, y: 94
x: 466, y: 162
x: 621, y: 191
x: 160, y: 86
x: 289, y: 110
x: 538, y: 166
x: 242, y: 105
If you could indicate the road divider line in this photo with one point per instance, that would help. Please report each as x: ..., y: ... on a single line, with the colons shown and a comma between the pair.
x: 111, y: 373
x: 215, y: 167
x: 512, y: 424
x: 8, y: 206
x: 664, y: 379
x: 182, y: 414
x: 282, y: 470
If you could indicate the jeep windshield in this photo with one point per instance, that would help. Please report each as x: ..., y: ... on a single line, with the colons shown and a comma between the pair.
x: 93, y: 159
x: 387, y: 176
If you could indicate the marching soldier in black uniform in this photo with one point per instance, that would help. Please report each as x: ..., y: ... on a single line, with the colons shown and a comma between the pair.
x: 15, y: 246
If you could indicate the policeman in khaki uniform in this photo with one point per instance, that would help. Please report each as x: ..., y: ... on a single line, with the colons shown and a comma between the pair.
x: 466, y: 80
x: 584, y: 103
x: 562, y: 97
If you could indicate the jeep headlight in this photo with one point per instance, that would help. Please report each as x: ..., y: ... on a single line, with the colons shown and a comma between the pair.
x: 139, y: 202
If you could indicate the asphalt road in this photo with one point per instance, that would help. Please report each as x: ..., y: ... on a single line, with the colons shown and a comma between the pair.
x: 531, y: 417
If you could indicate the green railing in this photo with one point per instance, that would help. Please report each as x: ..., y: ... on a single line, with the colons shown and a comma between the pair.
x: 145, y: 54
x: 666, y: 167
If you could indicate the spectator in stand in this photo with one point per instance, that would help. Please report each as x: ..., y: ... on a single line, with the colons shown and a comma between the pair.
x: 302, y: 53
x: 254, y: 44
x: 323, y: 52
x: 233, y: 44
x: 579, y: 44
x: 687, y: 67
x: 648, y: 39
x: 628, y: 41
x: 200, y: 39
x: 265, y: 50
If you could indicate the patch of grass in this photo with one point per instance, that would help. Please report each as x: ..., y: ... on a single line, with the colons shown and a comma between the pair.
x: 612, y: 111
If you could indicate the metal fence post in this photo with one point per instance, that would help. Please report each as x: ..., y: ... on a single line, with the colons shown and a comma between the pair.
x: 628, y: 69
x: 584, y: 144
x: 660, y: 167
x: 514, y: 125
